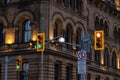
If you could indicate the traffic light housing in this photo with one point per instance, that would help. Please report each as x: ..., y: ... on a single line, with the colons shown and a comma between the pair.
x: 99, y: 40
x: 40, y: 42
x: 19, y: 63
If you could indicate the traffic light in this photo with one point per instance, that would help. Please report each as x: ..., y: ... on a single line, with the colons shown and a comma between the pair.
x: 99, y: 40
x: 19, y: 63
x: 40, y: 42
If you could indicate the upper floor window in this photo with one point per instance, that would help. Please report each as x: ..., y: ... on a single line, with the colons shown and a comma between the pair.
x: 66, y: 3
x: 2, y: 34
x: 106, y: 57
x: 115, y: 33
x: 101, y: 24
x: 97, y: 56
x: 68, y: 35
x: 79, y: 6
x: 26, y: 31
x: 55, y: 30
x: 114, y: 60
x: 106, y: 30
x: 78, y: 36
x: 96, y: 23
x: 6, y: 1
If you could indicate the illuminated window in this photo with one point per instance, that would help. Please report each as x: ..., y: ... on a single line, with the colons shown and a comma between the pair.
x: 26, y: 31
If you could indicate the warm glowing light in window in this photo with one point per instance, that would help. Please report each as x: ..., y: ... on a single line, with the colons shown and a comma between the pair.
x: 9, y: 39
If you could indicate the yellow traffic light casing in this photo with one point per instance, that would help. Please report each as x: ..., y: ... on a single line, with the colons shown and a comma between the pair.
x: 99, y: 40
x: 19, y: 63
x: 40, y: 42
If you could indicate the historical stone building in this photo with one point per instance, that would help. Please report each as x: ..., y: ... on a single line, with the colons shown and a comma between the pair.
x: 22, y: 20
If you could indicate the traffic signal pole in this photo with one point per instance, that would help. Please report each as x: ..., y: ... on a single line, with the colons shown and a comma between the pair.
x: 42, y: 65
x: 6, y: 66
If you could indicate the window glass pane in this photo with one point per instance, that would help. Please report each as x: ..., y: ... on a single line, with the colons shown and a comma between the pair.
x: 26, y: 31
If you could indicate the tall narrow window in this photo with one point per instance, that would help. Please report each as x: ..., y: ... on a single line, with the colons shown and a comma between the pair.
x: 26, y: 31
x: 106, y: 57
x: 57, y: 72
x: 106, y: 29
x: 69, y: 33
x: 69, y: 72
x: 101, y: 24
x: 97, y: 56
x: 115, y: 34
x: 79, y: 6
x: 96, y: 23
x: 16, y: 36
x: 114, y: 60
x: 55, y: 30
x: 24, y: 72
x: 78, y: 37
x: 2, y: 35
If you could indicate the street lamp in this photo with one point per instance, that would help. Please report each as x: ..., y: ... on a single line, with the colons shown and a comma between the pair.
x: 61, y: 39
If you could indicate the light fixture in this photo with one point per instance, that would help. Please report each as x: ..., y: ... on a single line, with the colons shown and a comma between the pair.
x: 61, y: 39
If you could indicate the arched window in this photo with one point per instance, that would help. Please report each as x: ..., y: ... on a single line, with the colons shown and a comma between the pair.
x: 106, y: 57
x: 2, y: 34
x: 115, y: 33
x: 106, y: 30
x: 69, y: 33
x: 114, y: 60
x: 78, y: 36
x: 97, y: 56
x: 26, y: 31
x: 96, y: 23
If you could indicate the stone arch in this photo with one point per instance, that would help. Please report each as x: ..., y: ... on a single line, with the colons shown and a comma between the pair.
x: 57, y: 16
x: 23, y: 15
x: 68, y: 21
x: 81, y: 26
x: 114, y: 49
x: 3, y: 20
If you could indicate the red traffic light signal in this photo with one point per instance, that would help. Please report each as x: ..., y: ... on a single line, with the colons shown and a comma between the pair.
x: 19, y: 63
x: 40, y: 42
x: 99, y: 40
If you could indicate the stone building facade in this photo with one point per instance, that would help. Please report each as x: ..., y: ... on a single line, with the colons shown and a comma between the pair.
x: 22, y: 20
